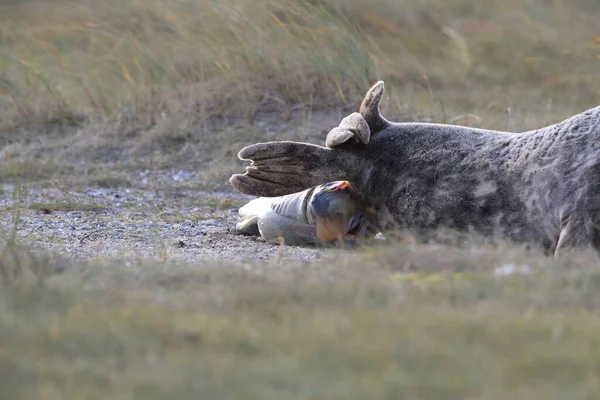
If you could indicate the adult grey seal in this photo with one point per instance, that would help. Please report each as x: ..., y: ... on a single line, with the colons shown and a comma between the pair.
x: 541, y: 186
x: 316, y: 216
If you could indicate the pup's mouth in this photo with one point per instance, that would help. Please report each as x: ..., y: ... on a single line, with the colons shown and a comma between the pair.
x: 354, y: 231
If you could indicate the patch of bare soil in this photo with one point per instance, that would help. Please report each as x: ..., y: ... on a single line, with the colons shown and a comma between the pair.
x: 170, y: 224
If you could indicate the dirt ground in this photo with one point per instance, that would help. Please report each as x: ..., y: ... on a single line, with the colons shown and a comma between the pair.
x: 136, y: 223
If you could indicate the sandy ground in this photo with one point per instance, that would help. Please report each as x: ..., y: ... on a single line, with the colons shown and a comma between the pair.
x: 170, y: 224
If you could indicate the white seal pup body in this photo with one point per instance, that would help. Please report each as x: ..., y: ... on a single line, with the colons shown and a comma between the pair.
x: 315, y: 216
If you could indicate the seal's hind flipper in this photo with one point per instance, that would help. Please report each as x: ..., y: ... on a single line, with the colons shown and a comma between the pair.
x: 369, y: 108
x: 280, y: 168
x: 353, y: 126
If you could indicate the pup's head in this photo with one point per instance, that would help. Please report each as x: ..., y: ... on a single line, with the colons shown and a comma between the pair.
x: 332, y: 208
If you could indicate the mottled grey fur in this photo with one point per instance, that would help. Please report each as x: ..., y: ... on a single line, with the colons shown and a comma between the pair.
x: 540, y: 186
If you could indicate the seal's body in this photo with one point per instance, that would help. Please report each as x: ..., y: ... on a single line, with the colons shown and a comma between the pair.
x: 540, y: 186
x: 316, y: 216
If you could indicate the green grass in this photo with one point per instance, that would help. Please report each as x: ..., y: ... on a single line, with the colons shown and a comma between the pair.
x: 348, y: 330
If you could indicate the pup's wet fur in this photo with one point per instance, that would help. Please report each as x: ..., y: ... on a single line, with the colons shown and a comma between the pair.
x: 320, y: 216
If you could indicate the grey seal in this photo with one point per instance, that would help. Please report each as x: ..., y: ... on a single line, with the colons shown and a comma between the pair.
x: 537, y: 187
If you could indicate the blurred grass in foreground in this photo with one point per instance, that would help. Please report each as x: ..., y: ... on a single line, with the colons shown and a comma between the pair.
x: 351, y: 330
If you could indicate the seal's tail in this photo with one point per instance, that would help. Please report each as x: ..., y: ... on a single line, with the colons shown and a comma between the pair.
x: 280, y: 168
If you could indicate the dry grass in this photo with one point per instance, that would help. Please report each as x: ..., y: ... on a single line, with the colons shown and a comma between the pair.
x: 89, y: 89
x: 150, y: 82
x: 50, y: 207
x: 151, y: 60
x: 147, y: 81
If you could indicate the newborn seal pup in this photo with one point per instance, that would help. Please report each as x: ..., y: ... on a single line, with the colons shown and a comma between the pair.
x: 317, y: 216
x: 540, y: 186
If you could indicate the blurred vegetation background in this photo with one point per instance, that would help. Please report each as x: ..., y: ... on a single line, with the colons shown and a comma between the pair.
x: 147, y: 83
x: 106, y: 59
